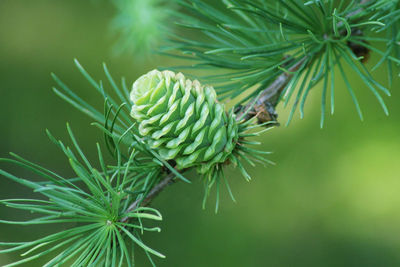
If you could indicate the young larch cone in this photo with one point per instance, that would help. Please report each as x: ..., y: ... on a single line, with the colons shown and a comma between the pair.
x: 182, y: 120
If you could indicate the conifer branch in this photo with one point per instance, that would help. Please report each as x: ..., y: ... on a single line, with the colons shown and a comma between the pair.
x: 263, y: 106
x: 271, y: 50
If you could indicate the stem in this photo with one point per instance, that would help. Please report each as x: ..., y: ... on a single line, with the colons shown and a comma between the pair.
x: 359, y: 10
x: 145, y: 200
x: 263, y: 107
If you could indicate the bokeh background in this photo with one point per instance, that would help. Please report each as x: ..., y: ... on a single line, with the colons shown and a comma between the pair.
x: 332, y: 199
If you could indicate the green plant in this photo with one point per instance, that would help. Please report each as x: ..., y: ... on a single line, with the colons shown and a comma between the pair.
x: 140, y: 25
x: 259, y: 53
x: 97, y: 200
x: 255, y: 42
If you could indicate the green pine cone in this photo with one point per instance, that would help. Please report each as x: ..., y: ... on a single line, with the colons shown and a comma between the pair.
x: 182, y: 120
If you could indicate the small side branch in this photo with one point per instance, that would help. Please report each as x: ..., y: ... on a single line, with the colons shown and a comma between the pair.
x: 144, y: 201
x: 264, y: 106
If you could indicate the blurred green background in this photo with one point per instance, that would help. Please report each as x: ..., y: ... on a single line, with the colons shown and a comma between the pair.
x: 331, y: 200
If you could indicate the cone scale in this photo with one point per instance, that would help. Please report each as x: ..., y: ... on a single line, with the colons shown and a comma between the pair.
x: 182, y: 120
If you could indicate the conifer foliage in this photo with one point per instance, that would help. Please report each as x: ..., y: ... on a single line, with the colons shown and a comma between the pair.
x: 253, y: 42
x: 260, y: 53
